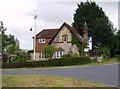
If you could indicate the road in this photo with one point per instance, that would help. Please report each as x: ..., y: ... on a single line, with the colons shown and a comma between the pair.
x: 107, y: 74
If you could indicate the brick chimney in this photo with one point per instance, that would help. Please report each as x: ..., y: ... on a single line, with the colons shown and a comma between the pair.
x: 85, y: 34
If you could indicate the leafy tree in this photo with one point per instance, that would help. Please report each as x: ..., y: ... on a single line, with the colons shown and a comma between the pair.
x: 7, y: 40
x: 118, y: 42
x: 13, y: 49
x: 2, y: 35
x: 0, y: 42
x: 8, y: 43
x: 100, y: 28
x: 49, y: 51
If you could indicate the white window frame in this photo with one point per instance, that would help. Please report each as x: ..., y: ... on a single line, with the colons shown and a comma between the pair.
x: 42, y: 55
x: 41, y: 40
x: 59, y: 54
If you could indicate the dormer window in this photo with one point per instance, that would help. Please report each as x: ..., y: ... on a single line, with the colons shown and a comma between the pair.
x: 65, y: 38
x: 41, y: 40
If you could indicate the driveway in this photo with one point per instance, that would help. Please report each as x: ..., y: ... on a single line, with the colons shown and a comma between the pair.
x: 107, y: 74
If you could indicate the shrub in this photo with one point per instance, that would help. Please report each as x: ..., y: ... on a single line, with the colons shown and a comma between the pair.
x: 106, y: 52
x: 69, y: 61
x: 50, y: 62
x: 75, y: 55
x: 49, y: 51
x: 21, y: 56
x: 65, y: 55
x: 70, y: 54
x: 4, y: 57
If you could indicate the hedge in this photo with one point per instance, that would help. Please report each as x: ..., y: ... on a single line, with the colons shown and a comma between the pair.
x: 49, y: 63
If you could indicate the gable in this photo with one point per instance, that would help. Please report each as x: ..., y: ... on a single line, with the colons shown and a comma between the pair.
x: 64, y: 31
x: 70, y: 29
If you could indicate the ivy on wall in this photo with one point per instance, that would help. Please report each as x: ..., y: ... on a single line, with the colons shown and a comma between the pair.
x: 75, y: 41
x: 78, y: 44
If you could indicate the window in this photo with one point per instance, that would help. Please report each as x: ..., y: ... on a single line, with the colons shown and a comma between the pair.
x: 42, y: 56
x: 41, y: 40
x: 65, y: 38
x: 59, y: 54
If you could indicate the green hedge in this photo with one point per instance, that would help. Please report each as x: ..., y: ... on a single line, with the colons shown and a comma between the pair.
x: 49, y: 63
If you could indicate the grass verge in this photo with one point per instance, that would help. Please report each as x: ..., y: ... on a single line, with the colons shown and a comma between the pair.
x: 45, y: 81
x: 105, y: 61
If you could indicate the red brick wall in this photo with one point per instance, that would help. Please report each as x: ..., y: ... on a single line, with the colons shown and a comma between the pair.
x: 40, y: 46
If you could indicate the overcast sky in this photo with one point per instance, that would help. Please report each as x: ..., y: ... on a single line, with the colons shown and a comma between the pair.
x: 18, y: 16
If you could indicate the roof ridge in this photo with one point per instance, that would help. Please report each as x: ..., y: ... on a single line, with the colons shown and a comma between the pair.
x: 51, y: 29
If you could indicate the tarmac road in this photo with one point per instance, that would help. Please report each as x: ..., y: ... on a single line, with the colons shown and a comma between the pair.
x: 107, y: 74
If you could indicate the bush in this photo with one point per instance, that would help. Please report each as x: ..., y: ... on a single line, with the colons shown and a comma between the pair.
x: 49, y: 51
x: 69, y: 61
x: 21, y: 56
x: 50, y: 62
x: 106, y: 52
x: 4, y: 57
x: 70, y: 54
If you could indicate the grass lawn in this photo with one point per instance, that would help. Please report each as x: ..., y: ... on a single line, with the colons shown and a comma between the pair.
x: 45, y: 81
x: 0, y: 81
x: 105, y: 61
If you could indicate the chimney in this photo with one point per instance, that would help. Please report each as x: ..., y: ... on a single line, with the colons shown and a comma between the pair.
x: 85, y: 34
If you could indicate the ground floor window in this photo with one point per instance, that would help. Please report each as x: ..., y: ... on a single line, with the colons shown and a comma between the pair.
x: 59, y: 54
x: 42, y: 55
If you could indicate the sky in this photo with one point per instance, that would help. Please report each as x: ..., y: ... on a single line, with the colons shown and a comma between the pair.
x: 18, y: 16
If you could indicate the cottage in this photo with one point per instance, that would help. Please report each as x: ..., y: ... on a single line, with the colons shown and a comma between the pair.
x: 60, y: 38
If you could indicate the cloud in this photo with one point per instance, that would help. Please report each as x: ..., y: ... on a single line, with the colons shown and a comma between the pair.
x: 13, y: 15
x: 17, y: 16
x: 119, y: 15
x: 54, y: 12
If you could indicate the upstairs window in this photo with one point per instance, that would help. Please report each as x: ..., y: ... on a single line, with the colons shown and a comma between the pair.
x: 65, y: 38
x: 41, y: 40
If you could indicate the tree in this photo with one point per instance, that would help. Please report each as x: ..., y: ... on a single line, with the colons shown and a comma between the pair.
x: 7, y: 40
x: 100, y: 27
x: 13, y: 49
x: 49, y: 51
x: 118, y: 42
x: 2, y: 36
x: 8, y: 43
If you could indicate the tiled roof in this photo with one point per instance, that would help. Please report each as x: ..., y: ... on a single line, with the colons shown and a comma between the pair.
x: 47, y: 33
x: 51, y: 33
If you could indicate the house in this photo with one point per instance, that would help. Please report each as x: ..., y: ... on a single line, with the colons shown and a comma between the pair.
x: 60, y: 38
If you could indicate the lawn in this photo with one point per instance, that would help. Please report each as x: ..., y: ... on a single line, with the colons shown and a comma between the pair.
x: 105, y: 61
x: 0, y: 81
x: 45, y: 81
